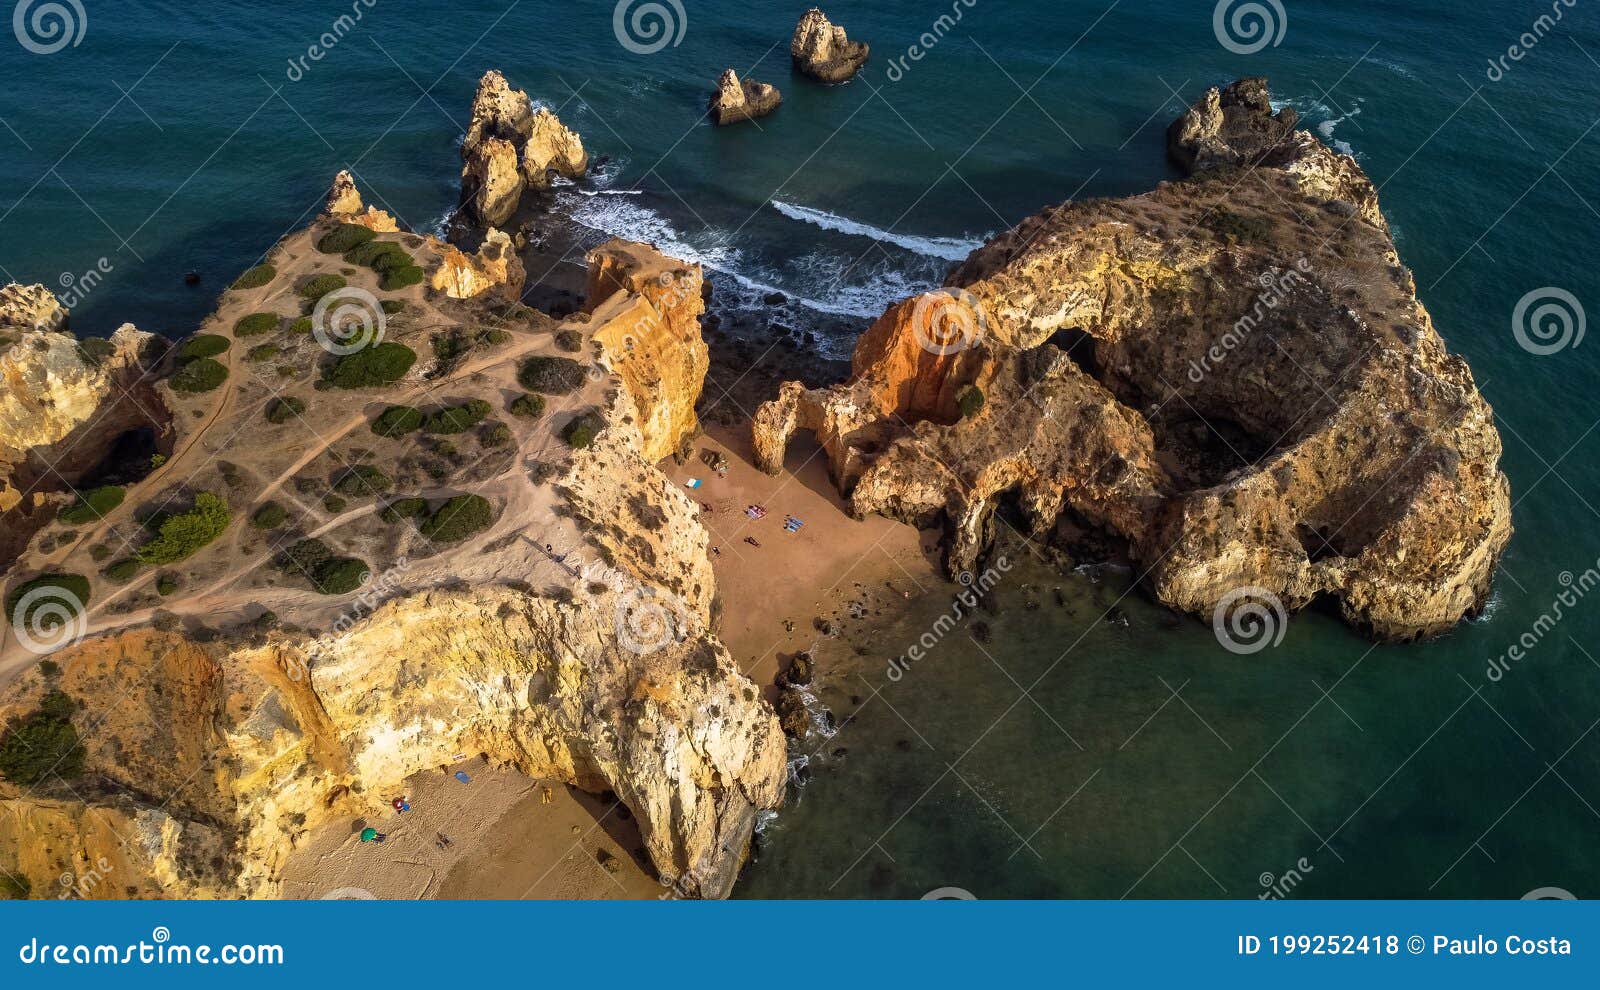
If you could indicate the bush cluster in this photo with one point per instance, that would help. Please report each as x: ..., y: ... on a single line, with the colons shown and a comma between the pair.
x: 458, y: 419
x: 344, y: 237
x: 93, y: 505
x: 458, y: 518
x: 181, y: 535
x: 320, y: 285
x: 203, y: 345
x: 381, y: 364
x: 397, y: 421
x: 551, y: 375
x: 43, y: 744
x: 581, y: 432
x: 328, y: 574
x: 527, y: 406
x: 255, y: 278
x: 198, y: 375
x: 363, y: 481
x: 284, y: 408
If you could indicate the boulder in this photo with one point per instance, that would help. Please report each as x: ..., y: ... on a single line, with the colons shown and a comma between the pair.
x: 737, y: 100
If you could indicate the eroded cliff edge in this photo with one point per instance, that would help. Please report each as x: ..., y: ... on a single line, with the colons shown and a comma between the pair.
x: 1232, y: 373
x: 228, y: 703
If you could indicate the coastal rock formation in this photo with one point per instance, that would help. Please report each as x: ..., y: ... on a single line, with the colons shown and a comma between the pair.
x: 737, y: 100
x: 224, y: 722
x: 495, y: 266
x: 822, y: 50
x: 345, y: 205
x: 29, y: 307
x: 1234, y: 377
x: 651, y: 336
x: 509, y: 146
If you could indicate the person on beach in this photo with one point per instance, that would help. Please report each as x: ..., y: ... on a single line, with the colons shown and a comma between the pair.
x: 370, y: 834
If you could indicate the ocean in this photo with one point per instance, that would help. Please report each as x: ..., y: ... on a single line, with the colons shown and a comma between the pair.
x: 1062, y: 755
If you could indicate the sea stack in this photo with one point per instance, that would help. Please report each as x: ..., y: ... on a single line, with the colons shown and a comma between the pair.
x: 735, y: 100
x: 1086, y: 363
x: 823, y: 51
x: 510, y: 146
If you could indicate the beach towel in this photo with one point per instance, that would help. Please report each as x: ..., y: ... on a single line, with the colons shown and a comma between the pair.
x: 692, y: 483
x: 461, y: 775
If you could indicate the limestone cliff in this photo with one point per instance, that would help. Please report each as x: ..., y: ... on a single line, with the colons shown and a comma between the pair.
x: 1232, y: 373
x: 736, y: 100
x: 225, y: 720
x: 344, y: 204
x: 495, y: 266
x: 510, y: 146
x: 823, y: 51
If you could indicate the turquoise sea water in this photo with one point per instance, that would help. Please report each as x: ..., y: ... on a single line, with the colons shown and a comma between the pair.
x: 172, y: 137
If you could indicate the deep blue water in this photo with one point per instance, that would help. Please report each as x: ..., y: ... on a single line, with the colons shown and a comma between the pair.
x: 172, y: 138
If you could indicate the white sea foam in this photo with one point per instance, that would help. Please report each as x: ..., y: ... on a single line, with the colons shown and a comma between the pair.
x: 1326, y: 129
x: 947, y: 248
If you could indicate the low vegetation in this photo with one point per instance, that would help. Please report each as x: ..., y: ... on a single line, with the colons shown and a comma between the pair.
x: 363, y: 481
x: 344, y: 237
x: 256, y: 324
x: 263, y: 352
x: 43, y: 744
x: 328, y: 573
x: 970, y: 401
x: 551, y: 375
x: 401, y: 278
x: 181, y: 535
x: 527, y: 406
x: 203, y: 345
x: 123, y: 571
x: 569, y: 340
x: 380, y: 364
x: 199, y: 375
x: 60, y: 596
x: 284, y: 408
x: 458, y: 518
x: 255, y: 278
x: 93, y: 505
x: 397, y: 421
x: 320, y: 285
x: 582, y: 431
x: 458, y: 419
x: 402, y: 509
x: 269, y: 516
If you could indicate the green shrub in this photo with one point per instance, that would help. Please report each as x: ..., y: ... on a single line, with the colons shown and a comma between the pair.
x: 56, y: 592
x: 256, y: 324
x: 402, y: 509
x: 333, y: 503
x: 381, y: 364
x: 581, y: 432
x: 569, y: 340
x: 179, y: 536
x: 203, y: 345
x: 287, y: 371
x: 255, y: 278
x: 449, y: 346
x: 363, y: 481
x: 493, y: 337
x: 401, y: 278
x: 284, y: 408
x: 99, y: 552
x: 373, y: 253
x: 969, y: 400
x: 393, y: 306
x: 320, y: 285
x: 123, y: 571
x: 14, y: 887
x: 42, y: 745
x: 551, y: 375
x: 397, y: 421
x: 93, y: 505
x: 301, y: 326
x: 389, y: 262
x: 94, y: 350
x: 340, y: 576
x: 305, y: 557
x: 458, y: 419
x: 269, y: 516
x: 495, y: 435
x: 199, y: 375
x: 528, y: 406
x: 263, y: 352
x: 166, y: 584
x: 344, y: 237
x: 459, y: 518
